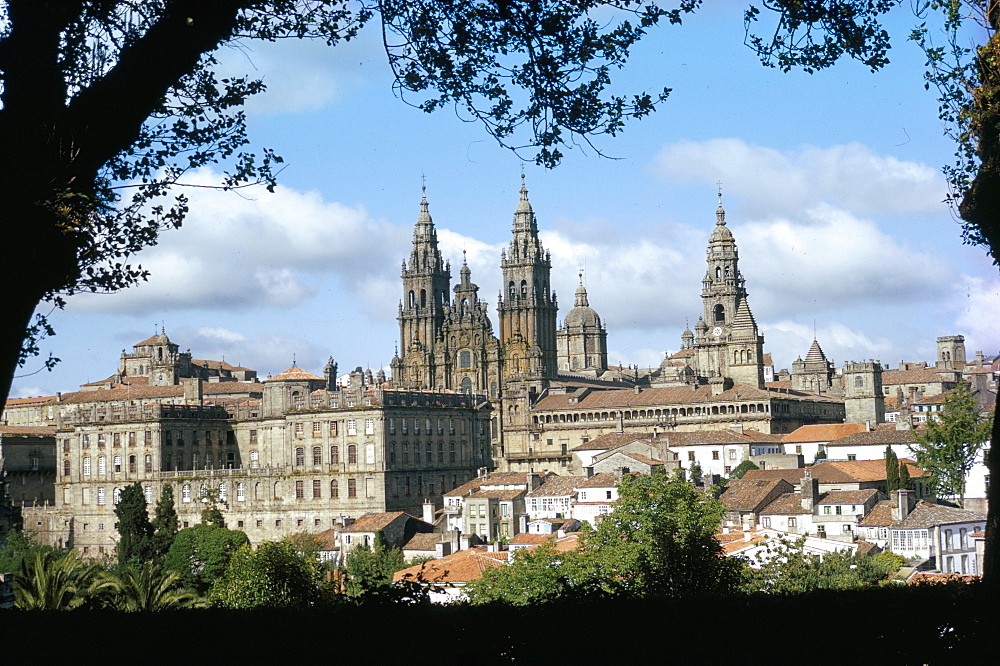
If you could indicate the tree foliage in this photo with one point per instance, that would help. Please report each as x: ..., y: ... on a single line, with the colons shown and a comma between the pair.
x: 200, y: 554
x: 53, y: 580
x: 369, y: 569
x: 273, y: 576
x: 135, y: 544
x: 19, y: 546
x: 788, y: 569
x: 892, y: 470
x: 145, y: 588
x: 165, y: 523
x: 658, y: 542
x: 950, y: 445
x: 742, y: 469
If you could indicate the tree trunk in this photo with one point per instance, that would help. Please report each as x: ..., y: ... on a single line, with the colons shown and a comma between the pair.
x: 19, y: 307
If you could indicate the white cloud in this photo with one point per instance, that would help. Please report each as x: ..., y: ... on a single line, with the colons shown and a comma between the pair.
x: 241, y: 252
x: 769, y: 181
x: 826, y: 258
x: 787, y: 340
x: 978, y: 300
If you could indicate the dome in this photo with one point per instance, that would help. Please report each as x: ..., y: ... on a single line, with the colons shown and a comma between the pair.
x: 582, y: 315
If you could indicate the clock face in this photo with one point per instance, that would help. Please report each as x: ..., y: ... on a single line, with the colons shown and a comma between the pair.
x: 717, y: 331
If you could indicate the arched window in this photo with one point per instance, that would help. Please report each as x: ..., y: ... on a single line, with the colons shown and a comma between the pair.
x: 467, y: 386
x: 412, y: 299
x: 524, y: 288
x: 186, y: 492
x: 117, y: 495
x: 317, y: 455
x: 718, y: 273
x: 335, y: 455
x: 465, y: 306
x: 352, y: 455
x: 720, y: 314
x: 300, y: 456
x: 511, y: 289
x: 241, y: 492
x: 423, y: 298
x: 334, y: 489
x: 222, y: 492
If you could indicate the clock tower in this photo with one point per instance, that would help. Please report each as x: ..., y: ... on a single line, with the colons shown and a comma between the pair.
x: 727, y: 343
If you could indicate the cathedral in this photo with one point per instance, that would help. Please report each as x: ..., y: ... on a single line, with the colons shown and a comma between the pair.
x: 447, y: 342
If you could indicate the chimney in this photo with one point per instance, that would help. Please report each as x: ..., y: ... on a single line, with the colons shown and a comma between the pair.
x: 442, y: 549
x: 533, y: 481
x: 193, y: 392
x: 463, y: 542
x: 904, y: 505
x: 429, y: 512
x: 810, y: 491
x: 522, y: 523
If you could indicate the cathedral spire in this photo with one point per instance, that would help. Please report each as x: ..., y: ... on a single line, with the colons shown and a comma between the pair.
x: 524, y: 215
x: 581, y: 295
x: 720, y: 212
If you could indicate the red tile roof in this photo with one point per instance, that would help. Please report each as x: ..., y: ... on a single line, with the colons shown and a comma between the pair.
x: 823, y: 433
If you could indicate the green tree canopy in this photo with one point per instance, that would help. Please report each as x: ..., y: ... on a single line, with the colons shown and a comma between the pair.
x: 273, y: 576
x: 658, y: 542
x: 952, y: 442
x: 742, y: 469
x: 892, y: 470
x: 165, y: 523
x: 369, y: 569
x: 53, y: 580
x: 142, y: 588
x: 135, y: 532
x: 788, y: 569
x: 200, y: 554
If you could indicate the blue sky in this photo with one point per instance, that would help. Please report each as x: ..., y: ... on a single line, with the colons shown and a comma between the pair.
x: 831, y: 184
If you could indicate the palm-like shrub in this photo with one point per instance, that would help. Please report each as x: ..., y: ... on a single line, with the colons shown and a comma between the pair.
x: 53, y: 580
x: 145, y: 588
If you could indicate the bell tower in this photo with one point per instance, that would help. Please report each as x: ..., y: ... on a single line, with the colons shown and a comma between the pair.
x: 426, y: 282
x: 527, y: 307
x: 727, y: 343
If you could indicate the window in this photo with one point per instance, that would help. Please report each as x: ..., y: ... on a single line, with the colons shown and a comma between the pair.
x: 102, y: 465
x: 369, y: 426
x: 352, y: 427
x: 334, y: 455
x: 147, y: 463
x: 299, y: 430
x: 131, y: 464
x: 300, y: 456
x: 86, y: 466
x: 116, y: 495
x: 254, y: 459
x: 827, y: 510
x: 117, y: 439
x: 334, y: 490
x: 839, y: 509
x: 85, y: 441
x: 465, y: 359
x: 947, y: 540
x: 147, y: 491
x: 299, y: 490
x: 608, y: 496
x: 241, y: 492
x: 186, y: 492
x: 100, y: 496
x: 253, y: 436
x: 440, y: 452
x: 691, y: 456
x: 732, y: 454
x: 765, y: 521
x: 66, y: 467
x: 962, y: 533
x: 352, y: 487
x: 317, y: 455
x: 260, y: 523
x: 852, y: 456
x: 791, y: 522
x: 317, y: 489
x: 715, y: 455
x: 222, y: 492
x: 317, y: 429
x: 352, y: 455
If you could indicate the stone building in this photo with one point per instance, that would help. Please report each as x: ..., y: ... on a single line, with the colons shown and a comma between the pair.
x: 290, y: 454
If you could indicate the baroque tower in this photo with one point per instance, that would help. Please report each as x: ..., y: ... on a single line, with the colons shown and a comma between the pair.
x: 527, y: 309
x: 470, y: 352
x: 727, y: 343
x: 426, y: 282
x: 864, y: 401
x: 582, y: 341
